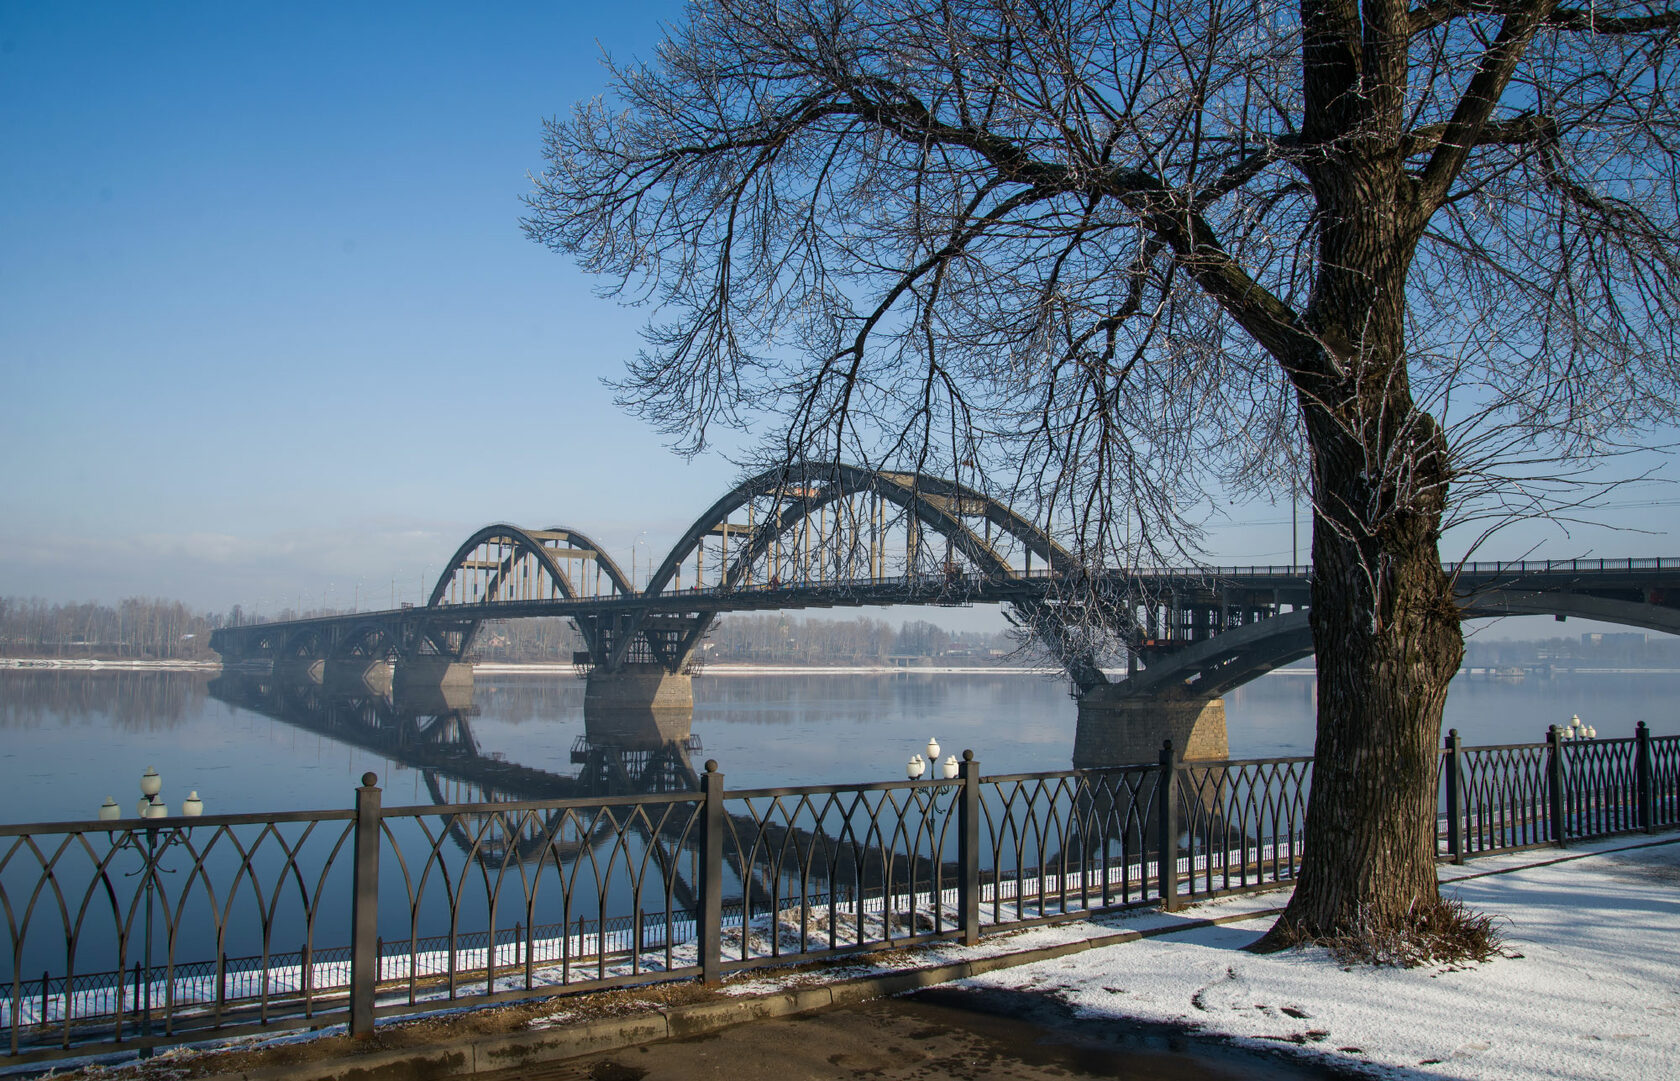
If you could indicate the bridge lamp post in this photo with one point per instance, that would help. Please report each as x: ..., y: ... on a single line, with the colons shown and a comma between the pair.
x: 153, y: 810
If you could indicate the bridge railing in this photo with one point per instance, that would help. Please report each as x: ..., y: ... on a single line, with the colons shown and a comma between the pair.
x: 973, y: 581
x: 134, y: 934
x: 936, y: 580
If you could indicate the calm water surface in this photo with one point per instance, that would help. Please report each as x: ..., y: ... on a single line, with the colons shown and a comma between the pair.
x: 68, y: 739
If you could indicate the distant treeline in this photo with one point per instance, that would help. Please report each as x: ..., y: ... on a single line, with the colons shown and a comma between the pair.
x: 146, y: 628
x: 138, y: 628
x: 777, y: 638
x: 771, y: 638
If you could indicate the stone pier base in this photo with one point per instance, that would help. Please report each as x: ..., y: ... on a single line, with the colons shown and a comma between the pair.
x: 638, y: 687
x: 428, y: 672
x: 636, y: 728
x: 434, y: 699
x: 642, y: 708
x: 355, y: 675
x: 1115, y: 729
x: 300, y: 669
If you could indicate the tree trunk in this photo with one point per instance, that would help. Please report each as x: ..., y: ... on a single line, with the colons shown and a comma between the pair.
x: 1385, y: 656
x: 1387, y: 637
x: 1385, y: 625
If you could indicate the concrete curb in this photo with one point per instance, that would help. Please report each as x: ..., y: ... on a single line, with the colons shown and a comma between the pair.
x: 486, y: 1054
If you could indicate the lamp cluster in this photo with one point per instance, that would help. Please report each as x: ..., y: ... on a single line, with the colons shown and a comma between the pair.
x: 151, y: 804
x: 918, y: 765
x: 1576, y: 730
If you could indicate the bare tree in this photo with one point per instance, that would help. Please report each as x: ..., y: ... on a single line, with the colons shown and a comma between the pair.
x: 1114, y: 257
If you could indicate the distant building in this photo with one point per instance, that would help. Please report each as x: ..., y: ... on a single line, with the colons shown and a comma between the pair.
x: 1614, y: 638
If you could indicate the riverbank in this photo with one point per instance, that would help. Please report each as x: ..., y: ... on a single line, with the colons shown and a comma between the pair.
x: 83, y: 664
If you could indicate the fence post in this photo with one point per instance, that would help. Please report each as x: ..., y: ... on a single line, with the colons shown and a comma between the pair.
x: 710, y: 929
x: 1555, y: 783
x: 1455, y: 797
x: 364, y: 924
x: 968, y: 849
x: 1645, y: 782
x: 1166, y: 821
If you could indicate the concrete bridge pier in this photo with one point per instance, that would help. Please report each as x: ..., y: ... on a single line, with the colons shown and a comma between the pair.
x: 429, y: 671
x: 1118, y: 729
x: 638, y: 688
x: 300, y: 670
x: 433, y: 699
x: 355, y: 675
x: 636, y: 728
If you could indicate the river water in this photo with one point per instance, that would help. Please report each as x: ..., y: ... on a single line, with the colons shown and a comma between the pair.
x: 69, y: 738
x: 256, y: 744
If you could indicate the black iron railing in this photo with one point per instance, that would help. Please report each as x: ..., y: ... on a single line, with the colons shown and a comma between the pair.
x: 139, y: 934
x: 1498, y: 799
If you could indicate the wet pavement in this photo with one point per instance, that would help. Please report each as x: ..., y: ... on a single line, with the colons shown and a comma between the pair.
x: 944, y: 1032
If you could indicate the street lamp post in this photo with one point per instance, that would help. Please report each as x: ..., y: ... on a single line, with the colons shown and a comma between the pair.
x: 1576, y: 729
x: 153, y: 810
x: 931, y: 765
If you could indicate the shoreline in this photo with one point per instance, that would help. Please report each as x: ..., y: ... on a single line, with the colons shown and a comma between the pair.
x: 85, y: 664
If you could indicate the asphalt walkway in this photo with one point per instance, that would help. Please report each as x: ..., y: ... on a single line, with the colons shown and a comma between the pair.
x: 938, y: 1033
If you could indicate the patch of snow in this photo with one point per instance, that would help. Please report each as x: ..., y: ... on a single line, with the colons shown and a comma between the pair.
x: 1590, y: 987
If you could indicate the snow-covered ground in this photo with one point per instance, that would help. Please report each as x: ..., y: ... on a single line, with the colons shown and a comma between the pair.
x: 1590, y: 987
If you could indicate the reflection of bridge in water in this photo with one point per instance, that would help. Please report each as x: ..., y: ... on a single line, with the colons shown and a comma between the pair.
x: 622, y: 754
x: 829, y: 534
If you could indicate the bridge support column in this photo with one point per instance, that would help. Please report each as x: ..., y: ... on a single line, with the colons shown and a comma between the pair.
x: 429, y: 672
x: 356, y: 674
x: 636, y: 728
x: 433, y: 699
x: 300, y: 669
x: 1116, y: 729
x: 638, y: 688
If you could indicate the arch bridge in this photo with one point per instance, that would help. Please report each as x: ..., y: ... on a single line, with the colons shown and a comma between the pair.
x: 831, y: 534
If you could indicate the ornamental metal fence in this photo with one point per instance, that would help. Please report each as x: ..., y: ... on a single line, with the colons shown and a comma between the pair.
x: 1523, y: 795
x: 171, y: 930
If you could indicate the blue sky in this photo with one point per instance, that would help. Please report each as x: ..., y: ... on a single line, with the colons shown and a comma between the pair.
x: 269, y: 330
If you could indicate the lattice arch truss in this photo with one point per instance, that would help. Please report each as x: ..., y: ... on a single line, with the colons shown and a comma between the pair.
x: 507, y: 564
x: 840, y: 531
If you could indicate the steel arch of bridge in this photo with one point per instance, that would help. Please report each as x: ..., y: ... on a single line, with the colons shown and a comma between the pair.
x: 507, y: 574
x: 802, y: 492
x: 936, y: 502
